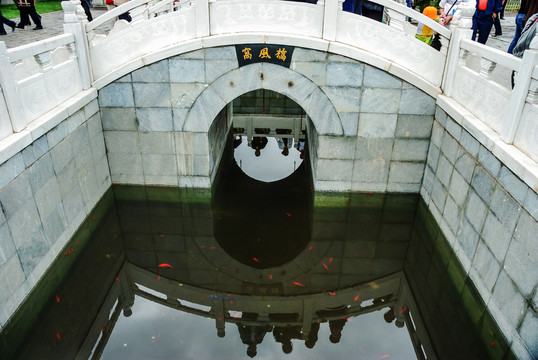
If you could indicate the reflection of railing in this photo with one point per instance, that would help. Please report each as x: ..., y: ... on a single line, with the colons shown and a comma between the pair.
x: 304, y: 310
x: 248, y: 124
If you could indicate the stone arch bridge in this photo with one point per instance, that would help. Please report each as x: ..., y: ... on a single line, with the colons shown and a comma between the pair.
x: 148, y: 102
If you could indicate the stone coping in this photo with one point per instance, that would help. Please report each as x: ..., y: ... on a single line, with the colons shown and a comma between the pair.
x: 522, y: 165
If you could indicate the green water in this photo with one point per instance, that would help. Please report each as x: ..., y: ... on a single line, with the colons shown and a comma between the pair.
x: 270, y: 270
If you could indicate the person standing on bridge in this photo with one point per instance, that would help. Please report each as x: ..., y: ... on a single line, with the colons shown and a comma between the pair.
x: 4, y: 20
x: 86, y: 5
x: 27, y: 10
x: 448, y: 9
x: 483, y: 18
x: 520, y: 19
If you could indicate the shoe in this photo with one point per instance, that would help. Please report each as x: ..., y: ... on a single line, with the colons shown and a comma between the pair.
x: 3, y: 33
x: 20, y: 26
x: 38, y: 27
x: 12, y: 27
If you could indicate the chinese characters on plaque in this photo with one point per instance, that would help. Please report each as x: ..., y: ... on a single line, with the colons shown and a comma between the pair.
x: 255, y: 53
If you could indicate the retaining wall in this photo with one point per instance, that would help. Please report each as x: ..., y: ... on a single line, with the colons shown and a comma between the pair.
x: 489, y: 216
x: 46, y: 192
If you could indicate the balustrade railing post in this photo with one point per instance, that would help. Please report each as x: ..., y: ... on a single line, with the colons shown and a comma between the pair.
x: 202, y: 17
x: 75, y: 23
x: 11, y: 93
x: 461, y: 29
x: 330, y: 17
x: 519, y: 94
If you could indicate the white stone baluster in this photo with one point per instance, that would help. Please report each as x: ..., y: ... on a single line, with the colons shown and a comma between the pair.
x: 395, y: 19
x: 461, y: 29
x: 521, y: 91
x: 202, y: 17
x: 330, y: 17
x: 532, y: 97
x: 11, y: 93
x: 44, y: 61
x: 75, y: 23
x: 139, y: 13
x: 486, y: 68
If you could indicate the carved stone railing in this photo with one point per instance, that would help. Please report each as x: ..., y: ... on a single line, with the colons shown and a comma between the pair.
x: 480, y: 79
x: 92, y: 52
x: 30, y: 72
x: 214, y: 22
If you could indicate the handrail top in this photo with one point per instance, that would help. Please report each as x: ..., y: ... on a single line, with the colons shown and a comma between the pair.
x: 31, y: 49
x: 442, y: 30
x: 490, y: 53
x: 110, y: 14
x: 391, y: 4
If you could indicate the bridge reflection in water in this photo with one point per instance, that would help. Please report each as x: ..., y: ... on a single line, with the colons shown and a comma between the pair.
x: 256, y: 269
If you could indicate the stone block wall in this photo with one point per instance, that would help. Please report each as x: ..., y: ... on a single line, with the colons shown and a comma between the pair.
x: 144, y: 114
x: 46, y: 192
x: 386, y: 124
x: 489, y: 216
x: 371, y: 129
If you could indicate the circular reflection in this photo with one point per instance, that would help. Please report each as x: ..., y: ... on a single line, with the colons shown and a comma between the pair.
x: 262, y: 224
x: 267, y: 158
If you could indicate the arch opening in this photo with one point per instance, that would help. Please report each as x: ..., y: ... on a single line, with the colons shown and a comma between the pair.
x: 276, y: 186
x: 269, y: 135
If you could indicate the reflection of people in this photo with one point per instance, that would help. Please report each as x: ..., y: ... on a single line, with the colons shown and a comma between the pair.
x: 284, y: 143
x: 238, y: 139
x: 284, y: 335
x: 258, y: 144
x: 336, y: 327
x: 389, y: 317
x: 252, y: 336
x: 312, y: 336
x: 300, y: 147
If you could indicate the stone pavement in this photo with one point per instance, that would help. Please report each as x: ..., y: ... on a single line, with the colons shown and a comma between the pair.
x: 53, y: 25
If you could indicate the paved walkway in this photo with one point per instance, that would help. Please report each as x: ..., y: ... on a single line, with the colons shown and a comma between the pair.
x: 53, y: 25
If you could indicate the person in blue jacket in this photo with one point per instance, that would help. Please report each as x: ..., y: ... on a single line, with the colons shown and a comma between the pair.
x: 483, y: 18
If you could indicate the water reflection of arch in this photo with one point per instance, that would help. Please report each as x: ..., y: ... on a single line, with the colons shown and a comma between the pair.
x: 391, y: 291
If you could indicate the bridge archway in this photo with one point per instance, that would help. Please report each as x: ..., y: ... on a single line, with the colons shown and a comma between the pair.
x: 237, y: 82
x: 369, y: 130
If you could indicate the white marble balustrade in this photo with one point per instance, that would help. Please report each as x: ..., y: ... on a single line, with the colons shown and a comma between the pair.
x: 511, y: 113
x: 90, y: 54
x: 35, y: 79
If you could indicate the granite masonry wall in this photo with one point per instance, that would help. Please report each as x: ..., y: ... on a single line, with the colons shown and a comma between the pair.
x: 46, y: 192
x: 371, y: 129
x: 489, y: 217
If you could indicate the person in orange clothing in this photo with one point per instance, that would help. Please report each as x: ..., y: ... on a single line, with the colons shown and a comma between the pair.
x: 425, y: 33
